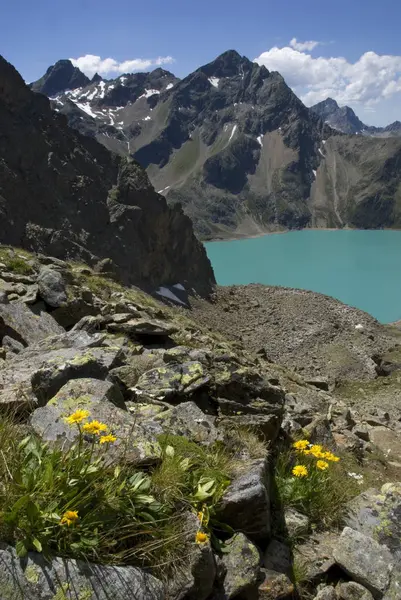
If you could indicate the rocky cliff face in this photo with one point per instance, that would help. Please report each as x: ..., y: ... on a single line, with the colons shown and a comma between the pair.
x: 234, y: 145
x: 66, y: 195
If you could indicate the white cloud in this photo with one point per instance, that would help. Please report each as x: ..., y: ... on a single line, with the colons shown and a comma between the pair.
x: 91, y: 64
x: 366, y: 82
x: 301, y: 46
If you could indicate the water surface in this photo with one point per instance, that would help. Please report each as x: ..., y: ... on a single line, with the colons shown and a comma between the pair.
x: 360, y: 268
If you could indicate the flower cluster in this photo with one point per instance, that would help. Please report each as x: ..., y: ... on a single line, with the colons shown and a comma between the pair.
x: 70, y: 517
x: 305, y: 448
x: 95, y: 428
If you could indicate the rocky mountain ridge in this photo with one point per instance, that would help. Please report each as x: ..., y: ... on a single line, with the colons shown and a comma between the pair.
x: 345, y: 120
x: 242, y: 154
x: 65, y: 194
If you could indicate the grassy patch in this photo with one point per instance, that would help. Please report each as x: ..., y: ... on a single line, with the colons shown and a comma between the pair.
x: 315, y: 482
x: 16, y: 260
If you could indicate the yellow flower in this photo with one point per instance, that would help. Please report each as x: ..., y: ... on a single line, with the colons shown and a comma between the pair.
x: 69, y: 517
x: 317, y: 451
x: 301, y: 445
x: 200, y: 516
x: 300, y: 471
x: 94, y: 427
x: 330, y: 457
x: 78, y: 416
x: 107, y: 439
x: 322, y: 465
x: 201, y: 538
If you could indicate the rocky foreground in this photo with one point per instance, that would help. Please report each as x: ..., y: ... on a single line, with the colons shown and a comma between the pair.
x: 71, y: 339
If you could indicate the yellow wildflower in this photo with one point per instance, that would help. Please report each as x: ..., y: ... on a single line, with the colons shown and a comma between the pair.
x: 301, y: 445
x: 200, y: 516
x: 300, y: 471
x: 201, y: 538
x: 78, y: 416
x: 69, y: 517
x: 317, y: 451
x: 322, y: 465
x: 330, y: 457
x: 107, y: 439
x: 94, y: 427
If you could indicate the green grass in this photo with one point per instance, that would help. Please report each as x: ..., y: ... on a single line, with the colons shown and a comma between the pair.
x: 15, y: 262
x: 321, y: 495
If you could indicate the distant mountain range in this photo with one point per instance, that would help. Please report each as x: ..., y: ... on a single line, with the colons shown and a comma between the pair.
x: 345, y: 120
x: 237, y: 148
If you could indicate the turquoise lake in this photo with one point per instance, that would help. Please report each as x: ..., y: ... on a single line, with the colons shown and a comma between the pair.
x: 360, y: 268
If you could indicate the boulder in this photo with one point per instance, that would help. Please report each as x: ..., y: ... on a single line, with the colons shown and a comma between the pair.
x: 326, y: 593
x: 296, y: 524
x: 193, y: 579
x: 52, y: 287
x: 352, y: 591
x: 388, y: 441
x: 394, y: 590
x: 136, y: 441
x: 36, y: 374
x: 34, y: 578
x: 143, y: 327
x: 377, y: 514
x: 174, y: 381
x: 241, y: 561
x: 365, y: 560
x: 278, y: 557
x: 19, y: 323
x: 276, y: 586
x: 315, y: 556
x: 245, y: 505
x: 189, y: 421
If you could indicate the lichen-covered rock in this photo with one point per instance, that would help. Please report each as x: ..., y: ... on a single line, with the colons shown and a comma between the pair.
x: 18, y: 322
x: 172, y: 381
x: 296, y: 523
x: 35, y: 578
x: 278, y: 557
x: 326, y: 593
x: 241, y: 561
x: 315, y: 556
x: 365, y: 560
x: 136, y: 441
x: 245, y: 505
x: 394, y: 590
x: 143, y: 327
x: 352, y: 591
x: 52, y: 287
x: 377, y: 514
x: 276, y: 586
x: 188, y: 420
x: 37, y: 373
x: 193, y: 579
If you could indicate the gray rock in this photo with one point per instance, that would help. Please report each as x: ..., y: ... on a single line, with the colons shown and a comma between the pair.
x: 394, y: 589
x: 276, y: 586
x: 34, y: 579
x: 173, y: 380
x: 319, y: 382
x: 245, y: 505
x: 52, y: 287
x: 365, y: 560
x: 20, y: 323
x: 388, y: 441
x: 241, y: 562
x: 12, y: 345
x: 362, y: 432
x: 297, y: 524
x: 143, y: 326
x: 89, y: 323
x: 326, y: 593
x: 37, y: 373
x: 188, y: 420
x: 315, y: 555
x: 278, y: 557
x: 193, y: 580
x: 352, y: 591
x: 136, y: 442
x: 377, y: 514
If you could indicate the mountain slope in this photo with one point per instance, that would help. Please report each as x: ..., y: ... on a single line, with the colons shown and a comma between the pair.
x: 66, y: 195
x: 345, y: 120
x: 234, y: 145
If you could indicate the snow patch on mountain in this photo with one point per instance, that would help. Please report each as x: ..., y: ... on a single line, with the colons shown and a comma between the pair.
x: 214, y: 81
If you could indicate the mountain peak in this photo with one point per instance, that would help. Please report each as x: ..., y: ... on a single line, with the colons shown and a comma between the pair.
x: 60, y: 77
x: 96, y: 78
x: 227, y: 64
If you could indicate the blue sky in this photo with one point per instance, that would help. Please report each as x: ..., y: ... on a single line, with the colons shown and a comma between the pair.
x: 354, y: 50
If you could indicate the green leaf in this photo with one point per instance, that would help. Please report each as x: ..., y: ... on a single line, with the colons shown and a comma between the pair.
x: 117, y: 472
x: 144, y: 499
x: 37, y: 544
x: 185, y: 464
x: 21, y: 549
